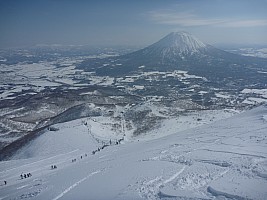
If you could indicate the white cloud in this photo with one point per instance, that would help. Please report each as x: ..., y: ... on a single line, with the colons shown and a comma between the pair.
x: 169, y: 17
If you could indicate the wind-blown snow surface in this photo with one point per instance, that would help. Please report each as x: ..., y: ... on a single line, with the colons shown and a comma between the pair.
x: 223, y: 160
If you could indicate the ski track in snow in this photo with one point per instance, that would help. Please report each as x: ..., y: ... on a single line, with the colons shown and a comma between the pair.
x: 230, y: 152
x: 23, y: 186
x: 216, y: 193
x: 75, y: 185
x: 174, y: 176
x: 40, y: 165
x: 212, y: 162
x: 151, y: 189
x: 30, y: 164
x: 3, y: 197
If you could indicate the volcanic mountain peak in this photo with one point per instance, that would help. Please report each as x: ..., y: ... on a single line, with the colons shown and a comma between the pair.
x: 181, y: 42
x: 179, y: 51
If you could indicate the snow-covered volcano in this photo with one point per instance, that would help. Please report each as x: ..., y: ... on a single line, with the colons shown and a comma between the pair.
x: 173, y: 47
x: 179, y: 51
x: 179, y: 43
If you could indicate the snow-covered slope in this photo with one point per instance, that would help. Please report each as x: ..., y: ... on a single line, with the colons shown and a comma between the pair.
x: 223, y: 160
x: 175, y: 46
x: 179, y: 42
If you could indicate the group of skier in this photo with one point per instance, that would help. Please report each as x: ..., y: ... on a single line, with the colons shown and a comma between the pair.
x: 27, y: 175
x: 106, y: 145
x: 22, y: 176
x: 53, y: 167
x: 74, y: 160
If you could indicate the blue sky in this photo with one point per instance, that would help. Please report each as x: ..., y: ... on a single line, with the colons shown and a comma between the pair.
x: 130, y: 22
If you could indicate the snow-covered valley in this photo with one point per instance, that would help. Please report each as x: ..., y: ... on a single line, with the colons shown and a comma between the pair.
x: 226, y: 159
x: 58, y: 85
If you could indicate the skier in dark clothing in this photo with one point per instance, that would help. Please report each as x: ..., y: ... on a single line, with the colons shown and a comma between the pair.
x: 5, y: 182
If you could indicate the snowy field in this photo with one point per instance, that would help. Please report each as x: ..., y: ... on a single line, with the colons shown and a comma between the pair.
x: 38, y: 76
x: 226, y: 159
x: 256, y: 52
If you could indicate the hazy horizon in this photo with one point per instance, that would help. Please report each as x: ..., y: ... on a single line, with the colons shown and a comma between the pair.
x: 133, y: 23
